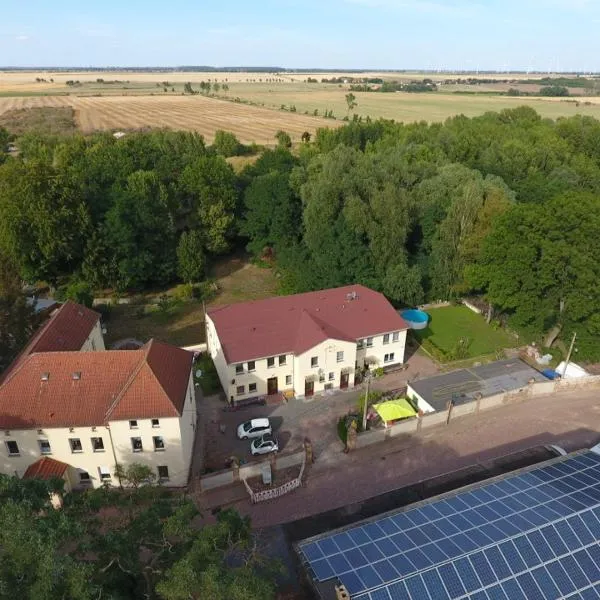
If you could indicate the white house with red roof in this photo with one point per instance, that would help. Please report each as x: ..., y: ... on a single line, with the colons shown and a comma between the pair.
x: 71, y: 327
x: 305, y: 343
x: 67, y: 399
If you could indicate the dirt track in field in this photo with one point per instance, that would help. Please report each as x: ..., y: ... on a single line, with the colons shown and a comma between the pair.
x: 193, y: 113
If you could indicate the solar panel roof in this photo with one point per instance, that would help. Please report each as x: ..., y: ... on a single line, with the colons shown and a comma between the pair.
x: 532, y: 535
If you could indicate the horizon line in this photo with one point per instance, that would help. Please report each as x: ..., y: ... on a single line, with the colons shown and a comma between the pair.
x: 278, y: 69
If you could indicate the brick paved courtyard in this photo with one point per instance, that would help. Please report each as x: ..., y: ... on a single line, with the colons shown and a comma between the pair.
x: 571, y: 420
x: 315, y: 418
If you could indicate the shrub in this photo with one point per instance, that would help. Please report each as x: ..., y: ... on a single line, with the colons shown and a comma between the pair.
x: 184, y: 291
x: 374, y: 396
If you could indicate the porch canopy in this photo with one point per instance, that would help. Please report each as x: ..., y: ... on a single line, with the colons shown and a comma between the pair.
x: 392, y: 410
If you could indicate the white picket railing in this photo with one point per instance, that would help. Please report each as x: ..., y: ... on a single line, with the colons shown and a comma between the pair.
x: 276, y: 492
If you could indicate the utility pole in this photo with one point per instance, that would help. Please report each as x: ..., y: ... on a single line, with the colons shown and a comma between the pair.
x: 569, y: 354
x: 364, y: 422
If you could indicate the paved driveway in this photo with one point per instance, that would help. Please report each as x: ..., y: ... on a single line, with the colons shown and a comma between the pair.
x: 315, y: 418
x: 570, y: 420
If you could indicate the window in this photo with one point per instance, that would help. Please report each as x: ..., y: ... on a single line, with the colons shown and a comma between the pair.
x: 282, y: 360
x: 340, y: 356
x: 45, y: 447
x: 97, y: 444
x: 155, y: 423
x: 93, y: 345
x: 331, y: 376
x: 288, y: 380
x: 84, y: 477
x: 314, y: 361
x: 321, y: 377
x: 388, y: 357
x: 240, y: 389
x: 360, y: 344
x: 13, y: 448
x: 133, y: 424
x: 159, y: 443
x: 239, y: 369
x: 75, y: 444
x: 252, y: 387
x: 163, y: 473
x: 369, y: 342
x: 395, y: 336
x: 386, y: 338
x: 251, y: 366
x: 136, y: 444
x: 104, y: 473
x: 271, y: 362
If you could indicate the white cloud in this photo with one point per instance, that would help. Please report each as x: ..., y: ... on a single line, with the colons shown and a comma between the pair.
x: 21, y: 38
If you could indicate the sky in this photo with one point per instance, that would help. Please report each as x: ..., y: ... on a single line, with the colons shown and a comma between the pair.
x: 502, y: 35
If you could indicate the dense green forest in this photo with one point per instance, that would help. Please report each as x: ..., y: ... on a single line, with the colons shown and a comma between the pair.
x: 505, y: 206
x: 142, y: 543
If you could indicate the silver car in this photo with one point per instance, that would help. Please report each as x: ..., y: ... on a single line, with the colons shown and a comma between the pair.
x: 264, y: 445
x: 254, y: 428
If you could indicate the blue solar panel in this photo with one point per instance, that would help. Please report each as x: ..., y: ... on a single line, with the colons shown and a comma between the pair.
x: 533, y: 535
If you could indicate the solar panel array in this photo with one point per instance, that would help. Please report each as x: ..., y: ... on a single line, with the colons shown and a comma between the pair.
x: 530, y: 536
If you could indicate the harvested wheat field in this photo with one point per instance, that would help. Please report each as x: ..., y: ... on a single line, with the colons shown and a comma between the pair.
x: 195, y: 113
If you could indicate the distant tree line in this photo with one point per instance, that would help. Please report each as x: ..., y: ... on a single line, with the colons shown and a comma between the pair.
x: 505, y: 206
x: 425, y: 85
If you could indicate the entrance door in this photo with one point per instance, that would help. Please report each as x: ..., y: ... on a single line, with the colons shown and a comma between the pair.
x: 309, y: 388
x: 272, y: 386
x: 344, y: 379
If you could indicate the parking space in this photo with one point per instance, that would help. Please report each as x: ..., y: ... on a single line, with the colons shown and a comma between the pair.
x: 294, y: 421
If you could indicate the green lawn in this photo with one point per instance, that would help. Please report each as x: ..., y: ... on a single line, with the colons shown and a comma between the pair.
x: 451, y: 326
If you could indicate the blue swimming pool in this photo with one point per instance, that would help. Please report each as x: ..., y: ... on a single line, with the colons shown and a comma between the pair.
x: 416, y: 319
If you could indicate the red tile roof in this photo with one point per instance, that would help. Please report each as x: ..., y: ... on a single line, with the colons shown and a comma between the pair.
x: 67, y: 329
x: 294, y: 324
x: 111, y: 385
x: 45, y: 468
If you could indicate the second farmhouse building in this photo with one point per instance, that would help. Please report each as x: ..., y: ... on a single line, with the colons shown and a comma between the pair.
x: 305, y: 343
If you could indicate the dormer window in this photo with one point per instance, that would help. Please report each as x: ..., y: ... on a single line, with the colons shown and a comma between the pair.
x: 45, y: 376
x: 76, y: 375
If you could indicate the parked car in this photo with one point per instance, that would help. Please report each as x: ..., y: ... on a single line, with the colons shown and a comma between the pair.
x: 264, y: 445
x: 254, y: 428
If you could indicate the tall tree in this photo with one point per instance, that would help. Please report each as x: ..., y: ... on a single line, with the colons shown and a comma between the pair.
x: 190, y: 256
x: 140, y: 233
x: 17, y: 316
x: 539, y: 265
x: 351, y: 101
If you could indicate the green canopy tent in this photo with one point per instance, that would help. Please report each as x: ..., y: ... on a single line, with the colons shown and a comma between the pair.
x: 392, y: 410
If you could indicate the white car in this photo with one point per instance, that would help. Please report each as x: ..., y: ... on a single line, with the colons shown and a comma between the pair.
x: 254, y: 428
x: 264, y: 445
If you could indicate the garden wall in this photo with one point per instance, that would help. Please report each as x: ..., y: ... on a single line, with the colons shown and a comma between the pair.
x: 229, y: 476
x: 434, y: 419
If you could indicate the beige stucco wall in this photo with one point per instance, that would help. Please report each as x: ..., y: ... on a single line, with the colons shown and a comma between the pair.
x: 259, y: 376
x: 375, y: 354
x: 178, y: 435
x: 95, y: 340
x: 326, y: 353
x: 215, y: 350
